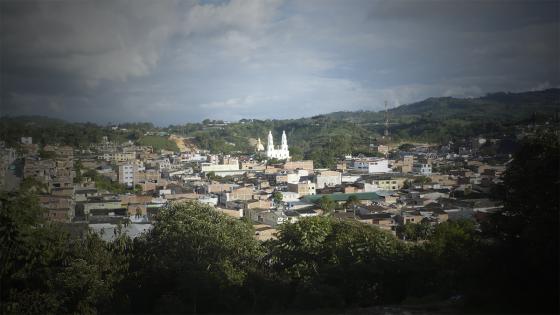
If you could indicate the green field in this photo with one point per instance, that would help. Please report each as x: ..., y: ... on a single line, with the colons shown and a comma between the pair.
x: 159, y: 143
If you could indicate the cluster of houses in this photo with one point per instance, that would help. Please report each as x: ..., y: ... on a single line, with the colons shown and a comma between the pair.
x: 426, y: 184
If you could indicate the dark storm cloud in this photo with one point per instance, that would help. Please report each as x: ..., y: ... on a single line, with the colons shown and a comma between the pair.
x: 175, y: 61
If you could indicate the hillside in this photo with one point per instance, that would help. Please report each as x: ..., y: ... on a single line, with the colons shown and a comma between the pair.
x: 324, y: 137
x: 495, y: 106
x: 432, y: 120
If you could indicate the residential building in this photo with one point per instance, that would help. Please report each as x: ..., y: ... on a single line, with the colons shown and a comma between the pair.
x: 424, y: 169
x: 303, y: 188
x: 302, y: 165
x: 372, y: 165
x: 328, y: 179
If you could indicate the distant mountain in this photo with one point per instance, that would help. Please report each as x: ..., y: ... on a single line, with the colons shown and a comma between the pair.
x: 502, y: 106
x: 495, y: 106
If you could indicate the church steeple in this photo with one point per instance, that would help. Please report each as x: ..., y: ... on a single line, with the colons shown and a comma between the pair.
x: 284, y: 141
x: 270, y: 142
x: 259, y: 146
x: 281, y: 152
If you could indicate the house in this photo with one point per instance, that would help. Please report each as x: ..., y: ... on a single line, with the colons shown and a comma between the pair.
x: 307, y: 212
x: 216, y: 187
x: 292, y: 216
x: 328, y: 179
x: 424, y: 169
x: 59, y: 209
x: 241, y: 193
x: 258, y: 204
x: 372, y: 165
x: 364, y: 198
x: 383, y: 220
x: 253, y: 165
x: 272, y: 218
x: 264, y: 232
x: 389, y: 183
x: 302, y: 165
x: 303, y: 188
x: 409, y: 217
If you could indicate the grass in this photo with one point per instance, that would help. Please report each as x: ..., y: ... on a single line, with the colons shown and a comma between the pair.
x: 159, y: 143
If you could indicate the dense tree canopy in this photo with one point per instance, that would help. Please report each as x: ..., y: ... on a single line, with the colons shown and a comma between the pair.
x: 44, y: 270
x: 193, y: 260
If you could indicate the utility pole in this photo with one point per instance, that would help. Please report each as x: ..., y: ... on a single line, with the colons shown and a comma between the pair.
x: 386, y: 121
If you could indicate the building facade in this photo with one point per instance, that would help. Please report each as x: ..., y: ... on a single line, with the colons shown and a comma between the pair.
x: 281, y: 152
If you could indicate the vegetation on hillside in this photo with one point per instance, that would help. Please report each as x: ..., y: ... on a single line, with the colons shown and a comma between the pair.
x: 324, y: 138
x: 159, y: 143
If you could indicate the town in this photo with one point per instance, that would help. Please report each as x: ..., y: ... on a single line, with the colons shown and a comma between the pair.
x: 175, y: 220
x: 109, y: 184
x: 279, y: 157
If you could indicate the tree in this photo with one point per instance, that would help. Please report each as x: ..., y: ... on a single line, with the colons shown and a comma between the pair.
x: 211, y: 175
x: 415, y: 231
x: 296, y: 153
x: 406, y: 147
x: 421, y: 180
x: 332, y: 264
x: 138, y: 189
x: 277, y: 197
x: 78, y: 169
x: 525, y: 234
x: 44, y: 270
x: 195, y: 259
x: 351, y: 202
x: 327, y: 204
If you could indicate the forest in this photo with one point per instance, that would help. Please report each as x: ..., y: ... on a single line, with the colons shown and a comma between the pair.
x: 196, y: 260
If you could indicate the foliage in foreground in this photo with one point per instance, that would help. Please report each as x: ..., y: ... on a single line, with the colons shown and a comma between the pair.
x: 45, y: 271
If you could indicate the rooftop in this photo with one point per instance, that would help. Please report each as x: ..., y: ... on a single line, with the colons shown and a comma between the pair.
x: 343, y: 197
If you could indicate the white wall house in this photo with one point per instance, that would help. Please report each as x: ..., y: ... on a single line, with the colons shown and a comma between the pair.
x: 328, y: 179
x: 372, y: 165
x: 209, y: 167
x: 379, y: 166
x: 126, y: 174
x: 422, y: 169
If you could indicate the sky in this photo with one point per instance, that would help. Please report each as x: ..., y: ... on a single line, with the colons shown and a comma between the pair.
x: 171, y: 62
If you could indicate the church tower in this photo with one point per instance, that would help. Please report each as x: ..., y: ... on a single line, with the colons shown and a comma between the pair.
x: 284, y: 146
x: 259, y: 146
x: 281, y: 152
x: 270, y: 143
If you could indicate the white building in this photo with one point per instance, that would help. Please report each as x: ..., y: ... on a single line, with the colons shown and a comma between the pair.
x: 292, y: 178
x: 163, y: 164
x: 379, y: 166
x: 209, y: 167
x: 372, y: 165
x: 289, y: 196
x: 422, y: 169
x: 26, y: 140
x: 328, y: 179
x: 282, y: 152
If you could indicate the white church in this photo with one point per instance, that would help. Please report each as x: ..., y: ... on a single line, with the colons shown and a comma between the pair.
x: 281, y: 152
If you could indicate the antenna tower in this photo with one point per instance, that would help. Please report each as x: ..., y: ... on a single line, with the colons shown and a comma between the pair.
x: 386, y: 121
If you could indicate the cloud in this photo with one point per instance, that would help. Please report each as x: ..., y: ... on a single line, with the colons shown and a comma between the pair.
x: 173, y: 61
x: 91, y: 40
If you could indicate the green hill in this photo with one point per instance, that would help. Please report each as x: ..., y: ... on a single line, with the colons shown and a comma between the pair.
x: 432, y: 120
x: 326, y: 137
